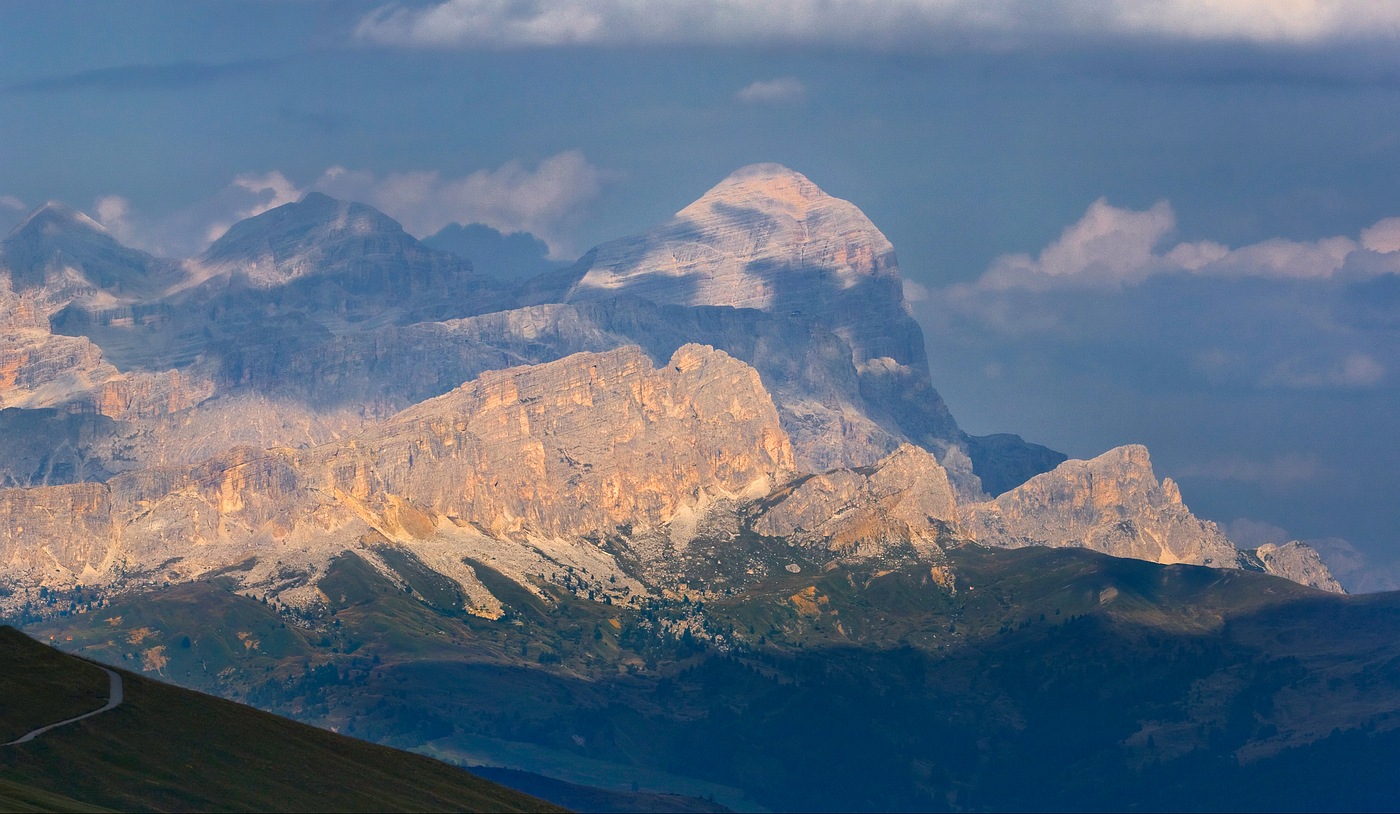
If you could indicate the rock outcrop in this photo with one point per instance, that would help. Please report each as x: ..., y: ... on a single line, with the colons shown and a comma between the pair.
x: 905, y: 498
x: 517, y: 467
x: 65, y: 255
x: 1113, y: 503
x: 56, y: 535
x: 767, y: 238
x: 1299, y: 562
x: 585, y: 444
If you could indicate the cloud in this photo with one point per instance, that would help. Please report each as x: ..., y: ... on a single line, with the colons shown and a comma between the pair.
x: 1383, y: 237
x: 889, y: 24
x: 546, y: 201
x: 1355, y: 370
x: 784, y: 91
x: 914, y: 292
x: 1358, y: 571
x: 173, y: 76
x: 1280, y: 471
x: 1112, y: 247
x: 114, y: 213
x: 266, y: 191
x: 12, y: 203
x: 1108, y: 245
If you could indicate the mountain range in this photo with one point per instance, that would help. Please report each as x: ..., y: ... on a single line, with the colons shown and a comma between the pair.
x: 709, y: 452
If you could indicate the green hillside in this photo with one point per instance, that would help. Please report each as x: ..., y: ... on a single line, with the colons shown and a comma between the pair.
x: 170, y: 749
x: 1046, y: 678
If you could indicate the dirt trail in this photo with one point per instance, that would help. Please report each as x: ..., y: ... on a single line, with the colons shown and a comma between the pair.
x: 114, y: 697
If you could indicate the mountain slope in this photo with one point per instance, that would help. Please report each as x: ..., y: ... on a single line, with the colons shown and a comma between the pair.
x: 1035, y: 677
x: 61, y: 249
x: 167, y: 749
x: 768, y: 238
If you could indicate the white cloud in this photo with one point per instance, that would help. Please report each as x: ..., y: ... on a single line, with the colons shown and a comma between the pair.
x: 874, y: 23
x: 1279, y: 471
x: 1383, y: 237
x: 114, y: 212
x: 546, y: 201
x: 1110, y: 246
x: 914, y: 292
x: 12, y: 203
x: 1355, y: 370
x: 784, y: 91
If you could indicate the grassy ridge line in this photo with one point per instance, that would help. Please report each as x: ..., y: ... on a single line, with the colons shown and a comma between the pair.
x: 166, y: 748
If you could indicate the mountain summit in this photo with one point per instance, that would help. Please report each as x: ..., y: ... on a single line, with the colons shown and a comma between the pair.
x: 58, y: 247
x: 766, y: 237
x: 317, y: 235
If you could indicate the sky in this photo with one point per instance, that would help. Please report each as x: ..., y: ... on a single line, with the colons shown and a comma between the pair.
x: 1122, y: 221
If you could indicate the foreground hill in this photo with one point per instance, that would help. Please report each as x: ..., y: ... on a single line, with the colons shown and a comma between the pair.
x: 169, y: 749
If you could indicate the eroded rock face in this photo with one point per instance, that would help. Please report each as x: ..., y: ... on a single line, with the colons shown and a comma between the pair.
x: 1113, y: 503
x: 588, y: 443
x: 60, y: 254
x: 904, y: 498
x: 56, y: 535
x: 1299, y: 562
x: 515, y: 467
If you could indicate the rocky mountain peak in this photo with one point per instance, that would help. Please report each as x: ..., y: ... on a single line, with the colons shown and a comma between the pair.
x: 53, y: 218
x: 777, y: 191
x: 765, y: 237
x: 59, y: 247
x: 316, y: 234
x: 1299, y: 562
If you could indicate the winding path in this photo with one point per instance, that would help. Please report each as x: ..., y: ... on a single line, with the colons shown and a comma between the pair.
x: 114, y: 697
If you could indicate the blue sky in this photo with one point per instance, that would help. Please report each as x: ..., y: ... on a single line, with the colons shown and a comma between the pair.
x: 1127, y: 221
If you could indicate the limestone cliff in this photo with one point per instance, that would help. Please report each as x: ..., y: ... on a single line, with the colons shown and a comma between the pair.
x: 588, y: 443
x: 1113, y: 503
x: 1299, y: 562
x: 515, y: 468
x: 859, y: 512
x: 767, y: 238
x: 56, y: 535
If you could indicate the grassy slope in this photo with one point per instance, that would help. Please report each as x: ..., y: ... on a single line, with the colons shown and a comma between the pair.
x: 166, y: 748
x: 1051, y: 678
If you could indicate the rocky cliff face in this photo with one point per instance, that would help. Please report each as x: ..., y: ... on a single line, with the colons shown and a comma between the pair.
x: 65, y: 254
x: 1298, y: 562
x: 514, y: 464
x: 767, y: 238
x: 905, y: 498
x: 56, y: 535
x: 1113, y: 503
x: 586, y: 444
x: 737, y: 391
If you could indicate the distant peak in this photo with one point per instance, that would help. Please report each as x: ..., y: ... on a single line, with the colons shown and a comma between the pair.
x: 318, y: 199
x: 774, y: 178
x: 56, y: 214
x: 768, y: 171
x: 768, y: 188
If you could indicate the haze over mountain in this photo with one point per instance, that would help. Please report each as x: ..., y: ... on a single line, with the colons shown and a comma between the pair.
x: 326, y: 317
x: 358, y: 453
